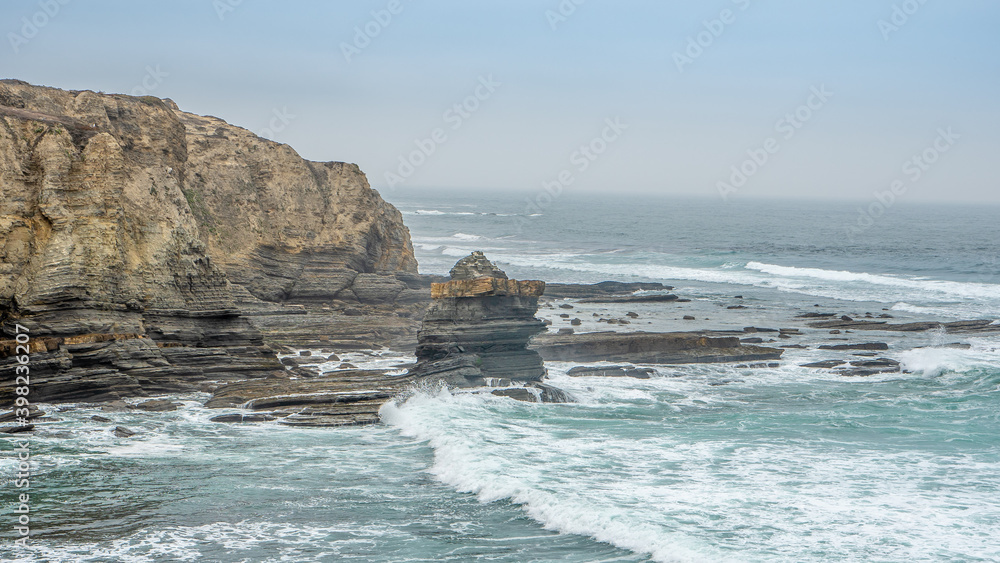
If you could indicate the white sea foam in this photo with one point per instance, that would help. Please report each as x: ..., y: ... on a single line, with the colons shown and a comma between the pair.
x: 932, y: 361
x: 642, y: 483
x: 941, y: 297
x: 944, y: 288
x: 188, y: 543
x: 459, y: 461
x: 464, y: 236
x: 437, y: 212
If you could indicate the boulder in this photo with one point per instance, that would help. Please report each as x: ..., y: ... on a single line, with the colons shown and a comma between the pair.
x: 158, y: 405
x: 476, y: 265
x: 122, y: 432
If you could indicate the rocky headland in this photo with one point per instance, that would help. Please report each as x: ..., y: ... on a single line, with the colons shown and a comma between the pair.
x: 149, y: 249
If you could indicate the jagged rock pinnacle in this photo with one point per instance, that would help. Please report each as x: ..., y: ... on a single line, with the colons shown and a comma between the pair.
x: 476, y: 265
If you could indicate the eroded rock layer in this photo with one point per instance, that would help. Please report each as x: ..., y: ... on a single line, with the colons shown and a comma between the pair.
x: 477, y: 328
x: 147, y: 249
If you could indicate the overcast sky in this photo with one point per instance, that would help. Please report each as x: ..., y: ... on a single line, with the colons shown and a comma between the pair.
x: 670, y: 97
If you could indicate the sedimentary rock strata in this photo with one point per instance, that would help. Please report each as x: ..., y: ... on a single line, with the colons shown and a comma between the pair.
x: 602, y: 289
x: 648, y: 348
x: 147, y: 248
x: 340, y: 399
x: 478, y: 327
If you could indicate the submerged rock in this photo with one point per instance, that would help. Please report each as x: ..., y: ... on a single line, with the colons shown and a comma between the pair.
x: 158, y: 405
x: 122, y: 432
x: 535, y: 392
x: 476, y: 265
x: 346, y: 399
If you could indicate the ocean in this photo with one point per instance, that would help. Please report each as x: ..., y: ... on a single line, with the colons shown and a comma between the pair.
x: 708, y: 462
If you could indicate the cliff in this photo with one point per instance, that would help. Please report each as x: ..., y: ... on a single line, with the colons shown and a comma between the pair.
x: 148, y: 249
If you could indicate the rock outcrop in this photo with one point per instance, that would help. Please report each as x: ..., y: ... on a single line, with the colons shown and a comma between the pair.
x: 477, y: 329
x: 314, y: 254
x: 648, y: 348
x: 147, y: 249
x: 345, y: 398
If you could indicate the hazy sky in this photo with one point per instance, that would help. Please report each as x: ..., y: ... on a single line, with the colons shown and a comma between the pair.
x: 688, y: 88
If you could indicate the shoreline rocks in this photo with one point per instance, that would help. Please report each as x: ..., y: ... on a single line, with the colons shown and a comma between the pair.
x: 649, y: 348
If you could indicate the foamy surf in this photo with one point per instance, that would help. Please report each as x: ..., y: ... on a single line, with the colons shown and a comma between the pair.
x: 459, y: 462
x: 659, y: 466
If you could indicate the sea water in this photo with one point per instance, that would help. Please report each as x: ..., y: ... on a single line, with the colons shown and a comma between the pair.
x: 698, y: 463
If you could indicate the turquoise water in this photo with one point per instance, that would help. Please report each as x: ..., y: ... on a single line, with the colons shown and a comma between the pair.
x: 698, y: 463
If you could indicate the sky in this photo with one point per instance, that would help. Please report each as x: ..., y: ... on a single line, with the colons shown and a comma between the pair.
x: 732, y: 99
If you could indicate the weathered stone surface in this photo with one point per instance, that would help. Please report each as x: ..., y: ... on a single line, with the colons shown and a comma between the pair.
x: 825, y: 364
x: 147, y: 248
x: 856, y: 346
x: 648, y: 348
x: 535, y: 392
x: 33, y: 412
x: 972, y: 326
x: 157, y: 405
x: 122, y: 432
x: 478, y: 329
x: 611, y: 371
x: 340, y: 399
x: 484, y: 287
x: 474, y: 266
x: 237, y: 417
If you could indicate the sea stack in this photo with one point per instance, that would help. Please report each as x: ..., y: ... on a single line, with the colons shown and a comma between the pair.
x: 477, y: 328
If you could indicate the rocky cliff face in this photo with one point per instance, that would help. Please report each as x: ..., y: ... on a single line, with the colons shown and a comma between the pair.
x: 136, y: 239
x: 290, y: 230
